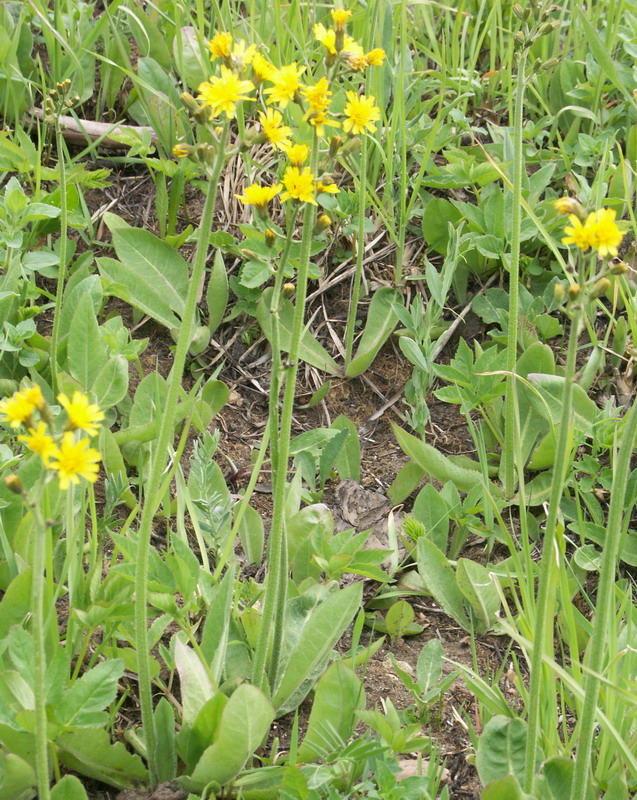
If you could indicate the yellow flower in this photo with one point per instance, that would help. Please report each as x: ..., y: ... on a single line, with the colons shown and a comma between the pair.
x: 223, y: 94
x: 262, y: 68
x: 605, y: 236
x: 16, y: 410
x: 577, y: 233
x: 259, y: 196
x: 375, y: 57
x: 353, y: 54
x: 361, y: 114
x: 39, y: 441
x: 220, y: 45
x: 319, y: 120
x: 286, y: 84
x: 340, y: 17
x: 182, y: 150
x: 33, y: 394
x: 297, y: 153
x: 326, y: 188
x: 75, y: 460
x: 318, y: 96
x: 277, y: 134
x: 242, y: 56
x: 299, y: 185
x: 567, y: 205
x: 326, y: 36
x: 82, y: 415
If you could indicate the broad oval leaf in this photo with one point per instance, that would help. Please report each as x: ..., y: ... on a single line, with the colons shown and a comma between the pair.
x: 381, y: 321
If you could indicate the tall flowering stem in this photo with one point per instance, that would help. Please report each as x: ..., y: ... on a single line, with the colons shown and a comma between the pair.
x: 268, y: 651
x: 603, y: 605
x: 165, y: 432
x: 514, y: 279
x: 59, y: 291
x: 360, y: 249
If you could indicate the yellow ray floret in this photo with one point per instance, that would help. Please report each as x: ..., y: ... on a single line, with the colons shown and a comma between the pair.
x: 360, y: 113
x: 74, y: 460
x: 287, y: 82
x: 259, y: 196
x: 297, y: 154
x: 224, y: 93
x: 40, y: 441
x: 276, y: 132
x: 82, y: 415
x: 299, y: 185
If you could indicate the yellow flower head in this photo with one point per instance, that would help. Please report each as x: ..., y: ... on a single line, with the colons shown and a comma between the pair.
x: 223, y: 94
x: 16, y: 410
x: 182, y: 150
x: 326, y: 36
x: 82, y: 415
x: 287, y: 81
x: 317, y: 96
x: 326, y: 188
x: 297, y: 154
x: 220, y: 45
x: 277, y: 134
x: 577, y: 234
x: 361, y: 114
x: 33, y: 394
x: 39, y: 441
x: 375, y: 57
x: 353, y: 54
x: 340, y: 17
x: 262, y: 69
x: 319, y: 120
x: 242, y: 56
x: 604, y: 236
x: 74, y: 460
x: 259, y: 196
x: 299, y: 185
x: 568, y: 205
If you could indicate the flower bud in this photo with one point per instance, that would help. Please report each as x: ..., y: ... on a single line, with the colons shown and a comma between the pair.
x: 547, y: 27
x: 189, y: 101
x: 519, y: 41
x: 559, y: 292
x: 600, y: 287
x: 183, y: 150
x: 322, y: 224
x: 574, y: 291
x: 270, y: 237
x: 13, y: 484
x: 547, y: 65
x: 288, y: 289
x: 619, y: 268
x: 569, y: 205
x: 521, y: 13
x: 335, y: 145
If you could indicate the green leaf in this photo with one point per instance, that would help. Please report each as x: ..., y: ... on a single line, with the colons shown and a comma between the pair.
x: 90, y: 753
x: 310, y: 350
x: 549, y: 403
x: 330, y: 452
x: 339, y: 695
x: 558, y: 777
x: 398, y: 619
x: 196, y: 685
x: 217, y: 292
x: 17, y: 778
x: 477, y: 586
x: 348, y: 461
x: 86, y: 349
x: 381, y: 321
x: 327, y: 622
x: 405, y: 482
x: 436, y: 217
x: 244, y: 724
x: 438, y: 466
x: 504, y: 789
x: 251, y: 535
x: 84, y: 703
x: 439, y: 577
x: 501, y: 749
x: 165, y: 748
x: 69, y: 788
x: 429, y: 665
x: 216, y: 394
x: 603, y: 57
x: 433, y: 511
x: 111, y: 382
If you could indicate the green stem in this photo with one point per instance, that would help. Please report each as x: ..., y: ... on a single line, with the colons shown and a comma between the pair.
x: 404, y: 177
x: 544, y: 605
x: 55, y: 333
x: 360, y: 250
x: 153, y: 486
x: 514, y: 278
x: 275, y: 595
x: 604, y: 605
x: 39, y: 653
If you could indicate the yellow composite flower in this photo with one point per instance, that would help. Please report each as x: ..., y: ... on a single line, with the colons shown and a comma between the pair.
x: 287, y: 82
x: 74, y: 460
x: 220, y: 45
x: 326, y: 36
x: 40, y: 441
x: 317, y: 96
x: 16, y: 410
x: 222, y: 94
x: 297, y: 154
x: 340, y: 17
x: 567, y: 205
x: 299, y: 185
x: 326, y: 188
x: 33, y: 394
x: 277, y: 134
x: 353, y: 54
x: 82, y: 415
x: 361, y: 114
x: 577, y: 234
x: 604, y: 235
x: 262, y: 69
x: 319, y: 120
x: 182, y: 150
x: 375, y: 57
x: 259, y: 196
x: 242, y: 56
